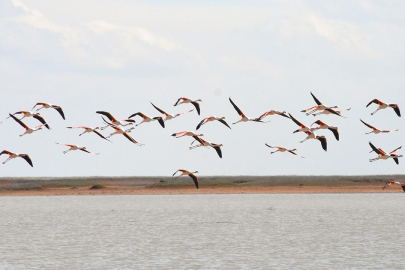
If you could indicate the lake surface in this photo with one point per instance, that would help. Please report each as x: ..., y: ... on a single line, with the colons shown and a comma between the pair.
x: 263, y: 231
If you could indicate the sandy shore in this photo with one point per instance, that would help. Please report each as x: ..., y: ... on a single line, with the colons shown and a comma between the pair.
x: 120, y: 190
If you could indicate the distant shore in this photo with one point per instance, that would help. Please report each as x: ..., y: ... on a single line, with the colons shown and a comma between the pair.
x: 184, y: 185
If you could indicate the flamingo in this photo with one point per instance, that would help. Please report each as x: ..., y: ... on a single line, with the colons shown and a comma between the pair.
x: 319, y: 107
x: 189, y: 133
x: 382, y: 105
x: 213, y: 118
x: 187, y: 100
x: 169, y: 116
x: 283, y: 149
x: 244, y: 117
x: 389, y: 183
x: 119, y: 130
x: 273, y: 112
x: 47, y: 106
x: 115, y: 121
x: 28, y: 130
x: 322, y: 125
x: 322, y: 139
x: 90, y: 129
x: 382, y: 155
x: 12, y: 155
x: 31, y: 114
x: 302, y: 128
x: 327, y: 112
x: 147, y: 119
x: 205, y: 143
x: 73, y: 147
x: 376, y: 130
x: 191, y: 174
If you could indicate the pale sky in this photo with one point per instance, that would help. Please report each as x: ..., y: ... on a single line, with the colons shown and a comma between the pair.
x: 118, y: 56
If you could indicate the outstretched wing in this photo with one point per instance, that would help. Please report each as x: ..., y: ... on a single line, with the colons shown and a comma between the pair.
x: 224, y: 122
x: 27, y: 158
x: 5, y: 152
x: 19, y: 121
x: 335, y: 132
x: 316, y: 100
x: 195, y: 179
x: 394, y: 151
x: 292, y: 152
x: 160, y: 110
x: 41, y: 119
x: 396, y: 109
x: 139, y: 114
x: 218, y: 149
x: 370, y: 126
x: 323, y: 141
x: 236, y: 108
x: 109, y: 116
x: 101, y: 135
x: 334, y: 112
x: 296, y: 121
x: 201, y: 123
x: 160, y: 120
x: 197, y: 106
x: 375, y: 148
x: 376, y: 101
x: 60, y: 111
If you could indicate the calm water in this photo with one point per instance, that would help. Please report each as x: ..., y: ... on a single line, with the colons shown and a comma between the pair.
x: 308, y: 231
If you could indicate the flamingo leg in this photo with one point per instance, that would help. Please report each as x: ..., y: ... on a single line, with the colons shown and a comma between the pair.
x: 82, y: 133
x: 6, y: 160
x: 237, y: 122
x: 40, y: 108
x: 304, y: 140
x: 64, y: 152
x: 369, y: 132
x: 375, y: 111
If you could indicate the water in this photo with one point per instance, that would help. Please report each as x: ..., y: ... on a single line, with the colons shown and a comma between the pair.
x: 287, y: 231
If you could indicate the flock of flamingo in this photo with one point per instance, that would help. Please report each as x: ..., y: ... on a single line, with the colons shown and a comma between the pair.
x: 118, y: 127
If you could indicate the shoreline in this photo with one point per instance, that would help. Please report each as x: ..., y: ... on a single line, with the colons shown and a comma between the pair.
x: 208, y: 185
x: 188, y: 189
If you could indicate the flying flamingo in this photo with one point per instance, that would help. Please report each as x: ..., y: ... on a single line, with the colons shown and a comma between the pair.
x: 322, y: 125
x: 382, y: 105
x: 90, y: 129
x: 376, y: 130
x: 382, y: 155
x: 283, y: 149
x: 213, y: 118
x: 322, y: 139
x: 147, y: 119
x: 326, y: 112
x: 119, y: 130
x: 47, y: 106
x: 188, y: 133
x: 73, y: 147
x: 169, y: 116
x: 319, y: 107
x: 33, y: 115
x: 302, y: 128
x: 205, y: 143
x: 244, y: 117
x: 115, y: 121
x: 191, y: 174
x: 186, y: 100
x: 273, y: 112
x: 28, y: 130
x: 12, y: 155
x: 389, y: 183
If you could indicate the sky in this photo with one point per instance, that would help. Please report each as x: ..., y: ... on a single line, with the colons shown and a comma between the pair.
x: 119, y: 56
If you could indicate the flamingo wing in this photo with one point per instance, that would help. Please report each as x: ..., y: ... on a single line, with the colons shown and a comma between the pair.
x: 201, y: 123
x: 224, y: 122
x: 195, y: 179
x: 197, y: 106
x: 316, y: 100
x: 378, y: 151
x: 376, y: 101
x: 335, y: 132
x: 236, y: 108
x: 396, y: 109
x: 60, y: 111
x: 370, y: 126
x: 107, y: 114
x: 218, y: 149
x: 296, y: 121
x: 19, y: 121
x: 27, y: 158
x: 42, y: 120
x: 160, y: 110
x: 323, y: 141
x: 160, y: 120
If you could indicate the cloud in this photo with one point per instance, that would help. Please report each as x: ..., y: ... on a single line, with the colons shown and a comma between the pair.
x: 345, y: 35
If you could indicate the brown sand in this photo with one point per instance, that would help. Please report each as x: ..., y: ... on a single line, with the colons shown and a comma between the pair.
x: 210, y: 189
